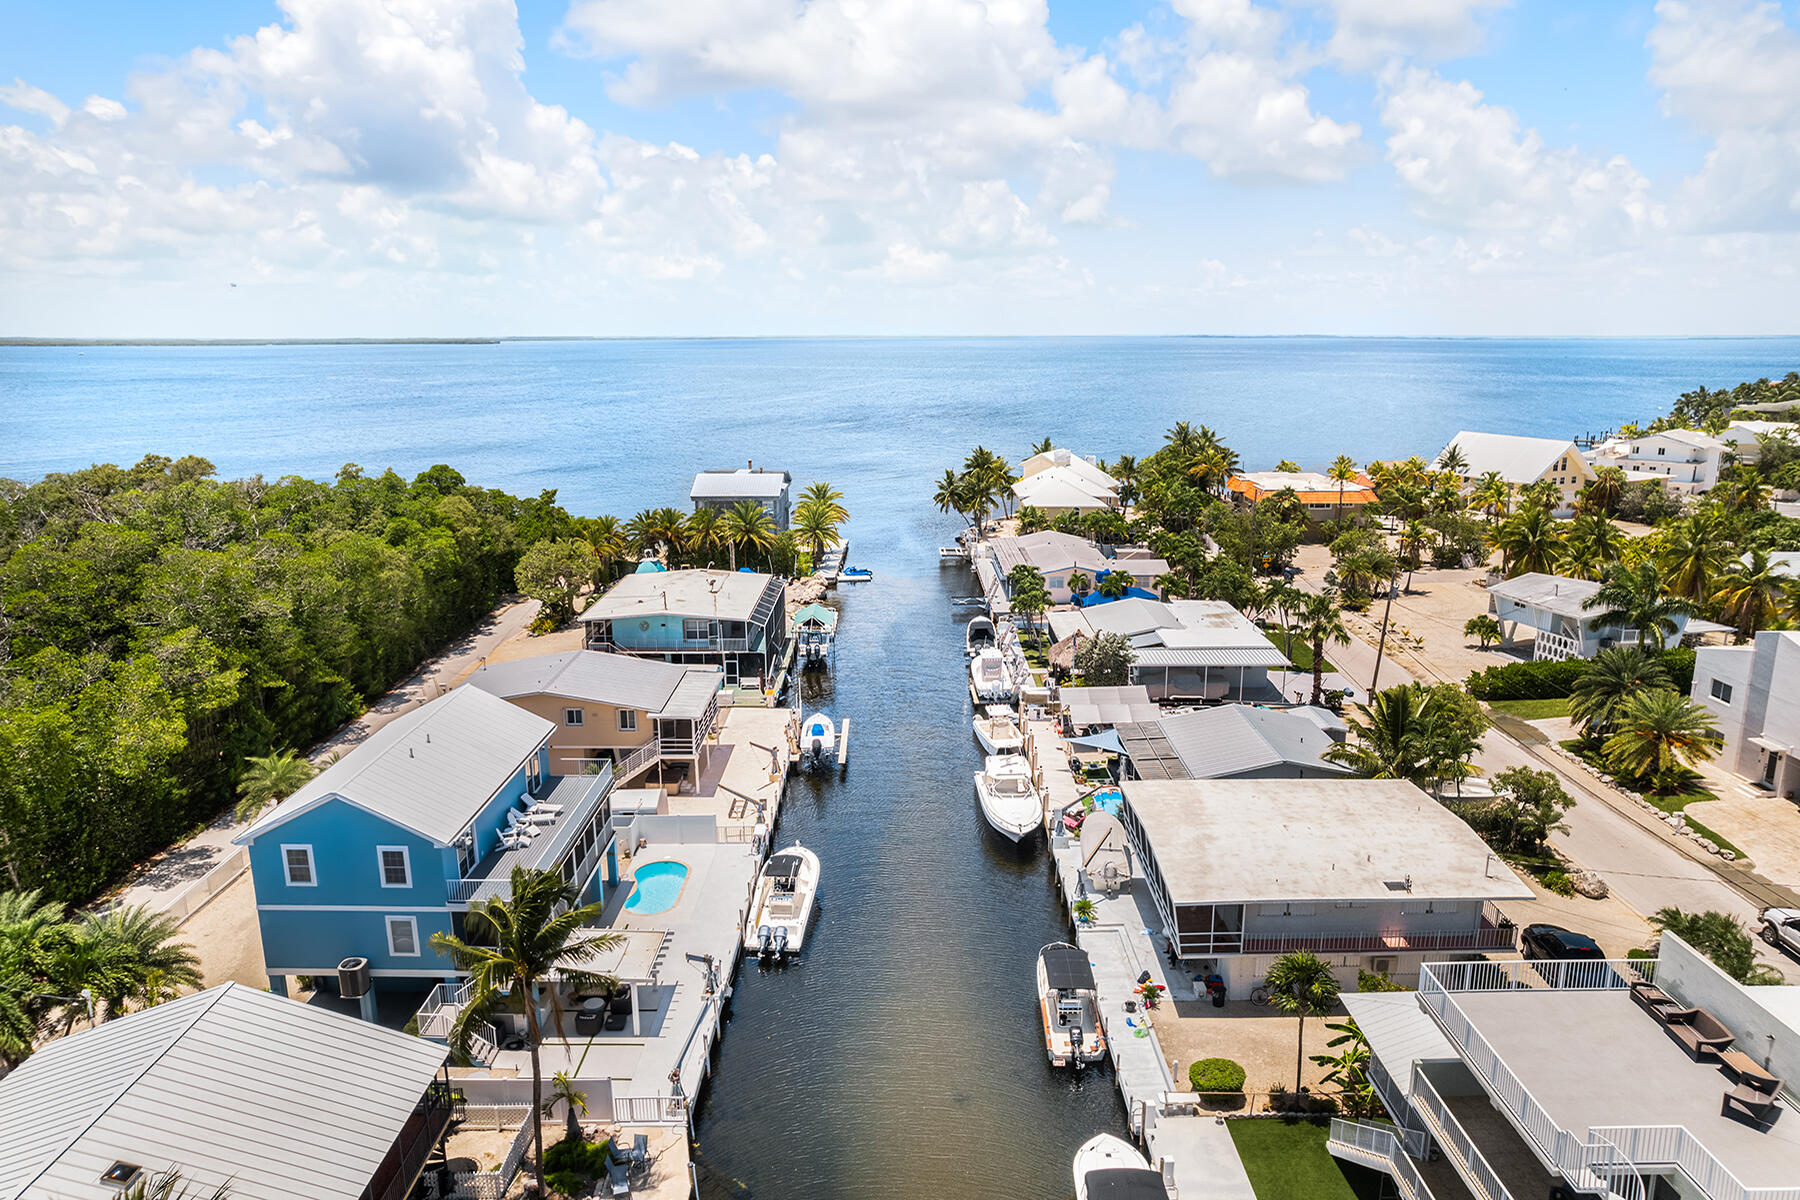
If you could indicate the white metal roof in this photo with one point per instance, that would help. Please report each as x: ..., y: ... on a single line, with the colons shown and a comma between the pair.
x: 1060, y: 487
x: 283, y: 1099
x: 1518, y: 459
x: 1224, y: 841
x: 1230, y: 739
x: 727, y: 595
x: 1557, y: 594
x: 1068, y: 461
x: 1048, y: 550
x: 624, y: 680
x: 431, y: 770
x: 740, y: 484
x: 1399, y: 1031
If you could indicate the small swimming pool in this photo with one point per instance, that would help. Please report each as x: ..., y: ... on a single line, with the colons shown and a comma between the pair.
x: 1109, y: 799
x: 658, y: 887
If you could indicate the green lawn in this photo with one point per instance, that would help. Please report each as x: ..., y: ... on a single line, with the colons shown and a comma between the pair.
x: 1668, y: 804
x: 1287, y: 1160
x: 1532, y: 710
x: 1298, y: 650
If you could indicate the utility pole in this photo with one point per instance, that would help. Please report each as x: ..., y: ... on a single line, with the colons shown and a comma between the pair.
x: 1381, y: 645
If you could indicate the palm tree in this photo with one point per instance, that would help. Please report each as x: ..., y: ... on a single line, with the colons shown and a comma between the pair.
x: 564, y: 1091
x: 606, y: 539
x: 1079, y: 584
x: 1390, y: 737
x: 270, y: 779
x: 31, y: 931
x: 1695, y: 550
x: 1115, y: 584
x: 1349, y: 1068
x: 1413, y: 537
x: 949, y: 496
x: 1633, y: 597
x: 703, y: 534
x: 1318, y: 622
x: 746, y: 524
x: 1343, y: 469
x: 641, y: 530
x: 1300, y: 982
x: 1617, y: 673
x: 168, y: 1184
x: 532, y: 937
x: 670, y: 526
x: 1659, y: 733
x: 1492, y: 495
x: 1604, y: 491
x: 823, y: 493
x: 1182, y: 441
x: 1743, y: 491
x: 814, y: 527
x: 1043, y: 447
x: 1528, y: 542
x: 1453, y: 461
x: 1125, y: 470
x: 1591, y: 545
x: 1722, y: 938
x: 137, y: 945
x: 1750, y: 593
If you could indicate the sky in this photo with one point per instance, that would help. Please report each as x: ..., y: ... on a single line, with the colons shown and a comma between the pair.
x: 373, y: 168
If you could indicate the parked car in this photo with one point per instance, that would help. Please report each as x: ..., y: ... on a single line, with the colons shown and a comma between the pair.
x: 1781, y: 928
x: 1553, y: 941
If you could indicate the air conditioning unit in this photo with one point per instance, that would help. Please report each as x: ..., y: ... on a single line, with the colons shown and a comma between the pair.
x: 353, y: 978
x: 1383, y: 965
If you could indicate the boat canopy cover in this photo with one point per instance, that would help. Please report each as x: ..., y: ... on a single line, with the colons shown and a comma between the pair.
x: 1107, y: 740
x: 783, y: 866
x: 1125, y: 1183
x: 1067, y: 969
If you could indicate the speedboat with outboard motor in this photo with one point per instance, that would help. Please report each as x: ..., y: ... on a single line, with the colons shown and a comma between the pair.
x: 1069, y: 1002
x: 783, y: 902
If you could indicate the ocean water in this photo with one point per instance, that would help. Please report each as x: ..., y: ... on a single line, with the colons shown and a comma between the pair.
x: 900, y: 1055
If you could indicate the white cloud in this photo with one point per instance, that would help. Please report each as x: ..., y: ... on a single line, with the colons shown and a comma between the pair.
x: 1732, y: 70
x: 1368, y: 33
x: 1469, y: 164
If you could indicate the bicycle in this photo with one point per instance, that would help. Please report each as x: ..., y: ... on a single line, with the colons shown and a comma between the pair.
x: 1259, y: 996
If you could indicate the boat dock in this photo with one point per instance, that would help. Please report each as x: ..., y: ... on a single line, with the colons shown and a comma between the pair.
x: 831, y: 564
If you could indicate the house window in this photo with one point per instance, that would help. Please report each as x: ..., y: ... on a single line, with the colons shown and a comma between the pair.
x: 628, y: 720
x: 574, y: 716
x: 1721, y: 691
x: 396, y: 866
x: 403, y: 937
x: 297, y: 861
x: 696, y: 629
x: 1662, y: 449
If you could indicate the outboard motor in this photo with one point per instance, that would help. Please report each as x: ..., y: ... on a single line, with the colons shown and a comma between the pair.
x: 781, y: 939
x: 763, y: 939
x: 1075, y: 1046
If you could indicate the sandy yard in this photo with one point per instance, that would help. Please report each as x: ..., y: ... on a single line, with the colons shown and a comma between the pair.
x: 522, y: 645
x: 227, y: 938
x: 1762, y: 824
x: 1259, y: 1039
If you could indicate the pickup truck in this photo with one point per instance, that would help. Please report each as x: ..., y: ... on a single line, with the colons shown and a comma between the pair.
x: 1781, y: 929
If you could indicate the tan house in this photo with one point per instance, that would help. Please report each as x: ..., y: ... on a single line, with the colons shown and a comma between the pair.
x: 641, y: 715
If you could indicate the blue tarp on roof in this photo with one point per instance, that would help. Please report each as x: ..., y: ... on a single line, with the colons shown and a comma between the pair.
x: 649, y: 567
x: 1136, y: 593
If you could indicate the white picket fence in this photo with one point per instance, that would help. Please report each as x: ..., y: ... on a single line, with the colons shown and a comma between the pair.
x: 192, y: 898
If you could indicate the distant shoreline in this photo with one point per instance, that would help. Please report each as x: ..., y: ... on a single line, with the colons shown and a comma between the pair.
x: 178, y: 343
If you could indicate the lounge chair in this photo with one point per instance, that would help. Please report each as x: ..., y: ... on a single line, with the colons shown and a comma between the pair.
x: 1651, y: 997
x: 618, y: 1177
x: 1755, y: 1097
x: 639, y: 1156
x: 1700, y: 1033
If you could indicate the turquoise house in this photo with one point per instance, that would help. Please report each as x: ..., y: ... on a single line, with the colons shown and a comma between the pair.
x: 394, y: 841
x: 734, y: 620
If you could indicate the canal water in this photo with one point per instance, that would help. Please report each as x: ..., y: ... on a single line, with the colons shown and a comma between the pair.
x: 901, y: 1055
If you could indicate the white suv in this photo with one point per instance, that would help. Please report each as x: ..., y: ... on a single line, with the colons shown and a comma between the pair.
x: 1781, y: 928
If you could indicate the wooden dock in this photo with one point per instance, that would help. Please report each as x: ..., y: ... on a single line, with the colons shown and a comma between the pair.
x: 831, y: 565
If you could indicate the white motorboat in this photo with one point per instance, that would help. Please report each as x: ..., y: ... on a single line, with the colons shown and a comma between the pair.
x: 978, y: 635
x: 818, y: 739
x: 998, y: 731
x: 1008, y: 799
x: 1109, y: 1168
x: 782, y: 902
x: 1069, y: 1003
x: 988, y: 676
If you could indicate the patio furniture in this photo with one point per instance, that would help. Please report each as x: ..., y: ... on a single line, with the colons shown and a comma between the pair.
x: 588, y: 1020
x: 1747, y: 1070
x: 1650, y: 997
x: 1755, y: 1097
x: 638, y: 1158
x: 1699, y: 1032
x: 618, y: 1177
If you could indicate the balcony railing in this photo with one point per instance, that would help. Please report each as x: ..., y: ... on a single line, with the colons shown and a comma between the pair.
x: 1598, y: 1162
x: 644, y: 756
x: 1488, y: 937
x: 1377, y: 1146
x: 1482, y: 1179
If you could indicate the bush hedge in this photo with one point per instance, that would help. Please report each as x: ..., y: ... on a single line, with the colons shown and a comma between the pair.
x: 1554, y: 680
x: 1527, y: 680
x: 1216, y: 1075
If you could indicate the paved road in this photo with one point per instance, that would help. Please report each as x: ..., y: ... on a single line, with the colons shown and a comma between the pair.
x: 162, y: 878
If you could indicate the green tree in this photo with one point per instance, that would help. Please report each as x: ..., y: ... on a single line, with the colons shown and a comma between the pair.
x: 1300, y: 982
x: 520, y: 942
x: 553, y: 573
x: 828, y: 499
x: 951, y: 496
x: 1115, y: 584
x: 1616, y: 673
x: 1602, y: 494
x: 1636, y: 598
x: 1412, y: 732
x: 1722, y: 938
x: 749, y: 525
x: 1529, y: 541
x: 1592, y: 545
x: 142, y: 953
x: 1484, y: 629
x: 1105, y: 661
x: 814, y: 527
x: 1752, y: 592
x: 1317, y: 622
x: 1348, y: 1069
x: 1527, y: 808
x: 1695, y: 551
x: 1657, y: 734
x: 270, y: 779
x: 1343, y: 471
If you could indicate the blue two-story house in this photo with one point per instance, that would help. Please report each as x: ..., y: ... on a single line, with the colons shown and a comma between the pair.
x: 394, y: 841
x: 734, y: 620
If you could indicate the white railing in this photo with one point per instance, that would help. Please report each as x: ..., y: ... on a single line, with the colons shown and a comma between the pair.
x: 1554, y: 647
x: 1614, y: 1150
x: 638, y: 759
x: 493, y: 1185
x: 649, y: 1110
x: 220, y: 876
x: 495, y: 1116
x: 1483, y: 1180
x: 1380, y: 1142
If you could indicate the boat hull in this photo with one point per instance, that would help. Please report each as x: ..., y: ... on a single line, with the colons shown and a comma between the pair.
x: 1003, y: 743
x: 1013, y: 816
x: 1102, y: 1153
x: 791, y: 913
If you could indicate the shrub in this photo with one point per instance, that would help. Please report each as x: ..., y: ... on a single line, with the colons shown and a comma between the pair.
x: 1216, y: 1075
x: 1530, y: 680
x: 1370, y: 981
x: 577, y: 1158
x: 1559, y: 882
x: 565, y: 1183
x: 538, y: 628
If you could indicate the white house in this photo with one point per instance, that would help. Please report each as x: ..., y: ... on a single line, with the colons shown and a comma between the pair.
x: 1078, y: 467
x: 725, y: 487
x: 1742, y: 436
x: 1186, y: 649
x: 1684, y: 461
x: 1058, y: 556
x: 1522, y: 461
x: 1753, y: 693
x: 1550, y: 611
x: 1370, y: 874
